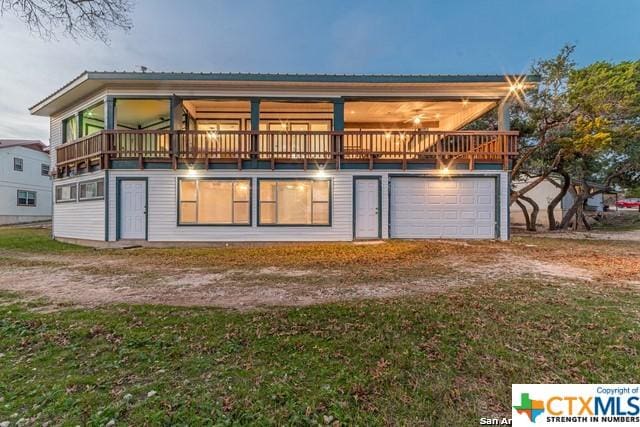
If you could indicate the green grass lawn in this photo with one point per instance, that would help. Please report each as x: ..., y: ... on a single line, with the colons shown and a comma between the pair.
x: 34, y: 240
x: 445, y: 359
x: 440, y: 359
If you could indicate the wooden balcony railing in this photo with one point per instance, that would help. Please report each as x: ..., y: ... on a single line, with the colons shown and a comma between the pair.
x: 349, y: 146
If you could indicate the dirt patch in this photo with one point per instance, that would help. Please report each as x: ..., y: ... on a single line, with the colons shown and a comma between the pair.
x: 630, y: 236
x: 401, y: 269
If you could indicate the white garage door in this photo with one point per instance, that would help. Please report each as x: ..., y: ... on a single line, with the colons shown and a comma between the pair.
x: 442, y: 208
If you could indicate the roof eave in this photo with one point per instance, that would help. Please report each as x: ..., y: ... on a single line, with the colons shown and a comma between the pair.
x: 38, y: 108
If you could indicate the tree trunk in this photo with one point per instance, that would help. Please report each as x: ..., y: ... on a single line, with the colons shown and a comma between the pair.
x: 571, y: 212
x: 527, y: 220
x: 534, y: 212
x: 579, y: 215
x: 554, y: 202
x: 587, y: 226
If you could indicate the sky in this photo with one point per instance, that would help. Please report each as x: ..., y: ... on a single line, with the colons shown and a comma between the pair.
x: 322, y: 36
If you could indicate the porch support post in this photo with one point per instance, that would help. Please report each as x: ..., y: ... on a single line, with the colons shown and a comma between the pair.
x: 109, y: 112
x: 338, y: 127
x: 504, y: 124
x: 175, y: 114
x: 80, y: 124
x: 255, y: 127
x: 109, y: 124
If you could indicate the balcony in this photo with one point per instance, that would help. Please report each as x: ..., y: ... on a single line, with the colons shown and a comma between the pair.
x: 242, y: 149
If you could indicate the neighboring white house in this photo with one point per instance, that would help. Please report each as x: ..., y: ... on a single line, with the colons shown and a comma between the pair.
x: 545, y: 192
x: 542, y: 194
x: 25, y: 183
x: 220, y: 157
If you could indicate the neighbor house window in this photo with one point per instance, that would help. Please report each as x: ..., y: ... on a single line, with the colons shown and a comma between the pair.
x: 66, y: 193
x: 26, y: 198
x: 69, y: 129
x: 44, y: 169
x: 214, y: 201
x: 17, y: 164
x: 294, y: 202
x: 91, y: 190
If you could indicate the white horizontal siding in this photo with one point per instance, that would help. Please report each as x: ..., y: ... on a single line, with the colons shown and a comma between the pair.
x: 80, y: 219
x: 162, y: 209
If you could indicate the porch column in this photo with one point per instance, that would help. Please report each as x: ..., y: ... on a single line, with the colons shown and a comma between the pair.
x: 109, y: 112
x: 504, y: 122
x: 338, y: 126
x: 255, y: 127
x: 175, y: 117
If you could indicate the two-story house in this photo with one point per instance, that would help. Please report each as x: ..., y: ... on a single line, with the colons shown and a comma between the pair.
x: 25, y: 184
x: 165, y: 157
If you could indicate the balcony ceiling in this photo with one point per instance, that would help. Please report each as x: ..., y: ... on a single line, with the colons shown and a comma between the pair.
x: 441, y: 115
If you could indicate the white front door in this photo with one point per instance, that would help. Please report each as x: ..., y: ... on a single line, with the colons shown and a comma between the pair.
x: 367, y: 209
x: 133, y: 209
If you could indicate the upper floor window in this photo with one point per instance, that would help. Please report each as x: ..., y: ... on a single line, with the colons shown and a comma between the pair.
x: 17, y: 164
x: 44, y: 169
x: 26, y: 198
x: 69, y: 129
x: 92, y: 119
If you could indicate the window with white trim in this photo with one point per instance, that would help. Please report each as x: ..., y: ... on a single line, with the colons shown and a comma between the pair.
x: 44, y: 169
x: 26, y: 198
x: 214, y: 201
x: 91, y: 190
x: 294, y: 202
x: 18, y: 164
x: 66, y: 193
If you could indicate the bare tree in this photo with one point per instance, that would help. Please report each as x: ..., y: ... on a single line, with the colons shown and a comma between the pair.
x: 88, y: 19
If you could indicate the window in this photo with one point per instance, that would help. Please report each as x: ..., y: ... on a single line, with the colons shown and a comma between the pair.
x: 66, y: 193
x: 69, y: 129
x: 17, y: 164
x: 92, y: 119
x: 294, y: 202
x: 91, y: 190
x: 26, y: 198
x: 214, y: 201
x: 44, y: 169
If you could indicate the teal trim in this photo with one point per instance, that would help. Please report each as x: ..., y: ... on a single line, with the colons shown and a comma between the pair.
x: 250, y: 180
x: 496, y: 179
x: 119, y: 180
x: 295, y: 179
x: 106, y: 205
x: 353, y: 206
x: 487, y: 166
